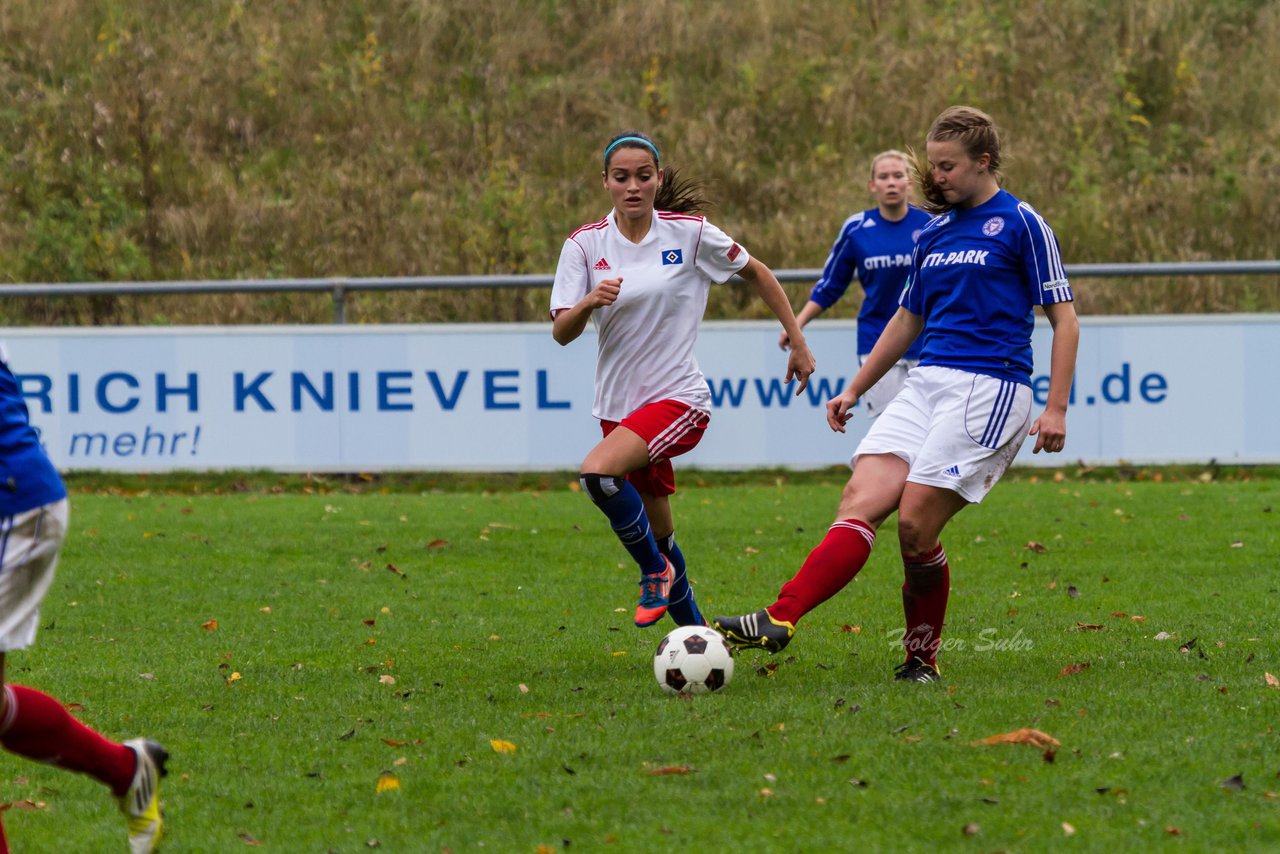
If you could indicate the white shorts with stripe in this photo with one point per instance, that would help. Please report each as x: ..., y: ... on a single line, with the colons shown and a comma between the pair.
x: 29, y: 545
x: 955, y: 429
x: 877, y: 398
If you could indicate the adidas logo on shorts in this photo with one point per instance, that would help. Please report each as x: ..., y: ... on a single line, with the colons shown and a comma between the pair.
x: 602, y: 265
x: 954, y: 471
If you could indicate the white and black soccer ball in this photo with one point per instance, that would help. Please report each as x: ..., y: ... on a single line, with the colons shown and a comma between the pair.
x: 693, y: 660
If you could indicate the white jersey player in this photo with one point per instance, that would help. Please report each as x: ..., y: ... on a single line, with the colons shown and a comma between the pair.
x: 642, y: 275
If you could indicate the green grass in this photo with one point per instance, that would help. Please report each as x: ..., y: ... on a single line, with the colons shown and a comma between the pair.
x: 528, y: 589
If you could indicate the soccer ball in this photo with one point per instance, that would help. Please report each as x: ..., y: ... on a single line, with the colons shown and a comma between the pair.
x: 693, y: 660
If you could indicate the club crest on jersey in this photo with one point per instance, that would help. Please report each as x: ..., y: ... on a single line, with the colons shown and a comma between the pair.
x: 993, y: 226
x: 672, y: 256
x: 602, y: 265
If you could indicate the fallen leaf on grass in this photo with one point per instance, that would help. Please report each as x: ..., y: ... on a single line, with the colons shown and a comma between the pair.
x: 1038, y: 548
x: 25, y: 804
x: 1072, y: 591
x: 387, y: 679
x: 1087, y: 627
x: 1072, y: 669
x: 501, y: 746
x: 1188, y: 646
x: 857, y: 630
x: 437, y: 544
x: 1068, y: 829
x: 1272, y: 682
x: 1173, y: 831
x: 393, y: 568
x: 1233, y: 784
x: 970, y: 829
x: 210, y: 625
x: 667, y: 770
x: 1138, y: 618
x: 1026, y: 735
x: 1162, y: 636
x: 387, y: 782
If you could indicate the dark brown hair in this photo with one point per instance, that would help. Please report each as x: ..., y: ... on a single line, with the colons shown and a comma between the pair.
x: 677, y: 193
x: 975, y: 131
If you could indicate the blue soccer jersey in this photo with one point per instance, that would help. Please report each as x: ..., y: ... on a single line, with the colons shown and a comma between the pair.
x: 878, y: 252
x: 976, y: 275
x: 27, y: 478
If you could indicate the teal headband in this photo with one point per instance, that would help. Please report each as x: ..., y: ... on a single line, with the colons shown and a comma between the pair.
x: 646, y: 143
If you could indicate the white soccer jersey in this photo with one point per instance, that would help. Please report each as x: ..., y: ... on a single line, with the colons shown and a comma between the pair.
x: 648, y: 334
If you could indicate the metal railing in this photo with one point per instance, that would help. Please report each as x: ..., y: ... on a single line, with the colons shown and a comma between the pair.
x: 339, y: 287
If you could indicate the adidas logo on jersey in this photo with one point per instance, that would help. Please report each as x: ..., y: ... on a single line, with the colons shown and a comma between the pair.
x: 954, y: 471
x: 602, y: 265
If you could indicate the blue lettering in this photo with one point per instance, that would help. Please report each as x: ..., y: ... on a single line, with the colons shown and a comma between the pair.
x: 492, y: 390
x: 1040, y: 390
x: 191, y: 392
x: 727, y: 391
x: 148, y: 436
x: 44, y: 384
x: 73, y: 393
x: 774, y: 389
x: 88, y: 439
x: 1121, y: 396
x: 1153, y: 388
x: 543, y: 401
x: 821, y: 391
x: 106, y: 405
x: 386, y: 390
x: 323, y: 399
x: 353, y: 391
x: 447, y: 401
x: 252, y: 390
x: 124, y: 444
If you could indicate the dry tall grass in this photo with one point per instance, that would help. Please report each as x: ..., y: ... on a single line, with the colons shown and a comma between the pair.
x: 147, y: 139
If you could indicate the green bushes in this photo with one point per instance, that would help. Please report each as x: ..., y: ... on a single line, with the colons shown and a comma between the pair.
x: 223, y: 139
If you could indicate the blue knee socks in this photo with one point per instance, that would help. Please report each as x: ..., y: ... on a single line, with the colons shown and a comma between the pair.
x: 622, y: 504
x: 681, y: 606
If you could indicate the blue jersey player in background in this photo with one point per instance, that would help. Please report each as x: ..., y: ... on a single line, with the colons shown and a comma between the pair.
x: 979, y: 269
x: 874, y: 245
x: 33, y: 524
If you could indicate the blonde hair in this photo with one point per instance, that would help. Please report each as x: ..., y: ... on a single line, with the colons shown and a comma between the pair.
x: 975, y: 131
x: 888, y: 152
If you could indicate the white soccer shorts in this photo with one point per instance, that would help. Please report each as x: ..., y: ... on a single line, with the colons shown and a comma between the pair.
x: 955, y: 429
x: 878, y: 396
x: 29, y: 545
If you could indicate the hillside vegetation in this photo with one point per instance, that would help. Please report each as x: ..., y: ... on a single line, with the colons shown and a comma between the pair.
x: 151, y: 139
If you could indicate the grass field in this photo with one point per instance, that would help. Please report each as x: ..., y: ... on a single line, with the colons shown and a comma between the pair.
x: 339, y: 672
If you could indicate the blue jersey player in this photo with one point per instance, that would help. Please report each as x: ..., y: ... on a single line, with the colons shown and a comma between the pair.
x: 979, y: 268
x: 33, y: 524
x: 874, y: 245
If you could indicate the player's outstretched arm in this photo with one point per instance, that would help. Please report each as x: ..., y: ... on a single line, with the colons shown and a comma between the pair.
x: 800, y: 361
x: 569, y: 323
x: 898, y: 334
x: 808, y: 312
x: 1050, y: 429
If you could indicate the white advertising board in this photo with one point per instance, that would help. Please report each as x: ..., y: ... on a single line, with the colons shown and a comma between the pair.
x: 486, y: 397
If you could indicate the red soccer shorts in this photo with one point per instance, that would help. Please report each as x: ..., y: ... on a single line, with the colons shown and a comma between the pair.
x: 669, y: 428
